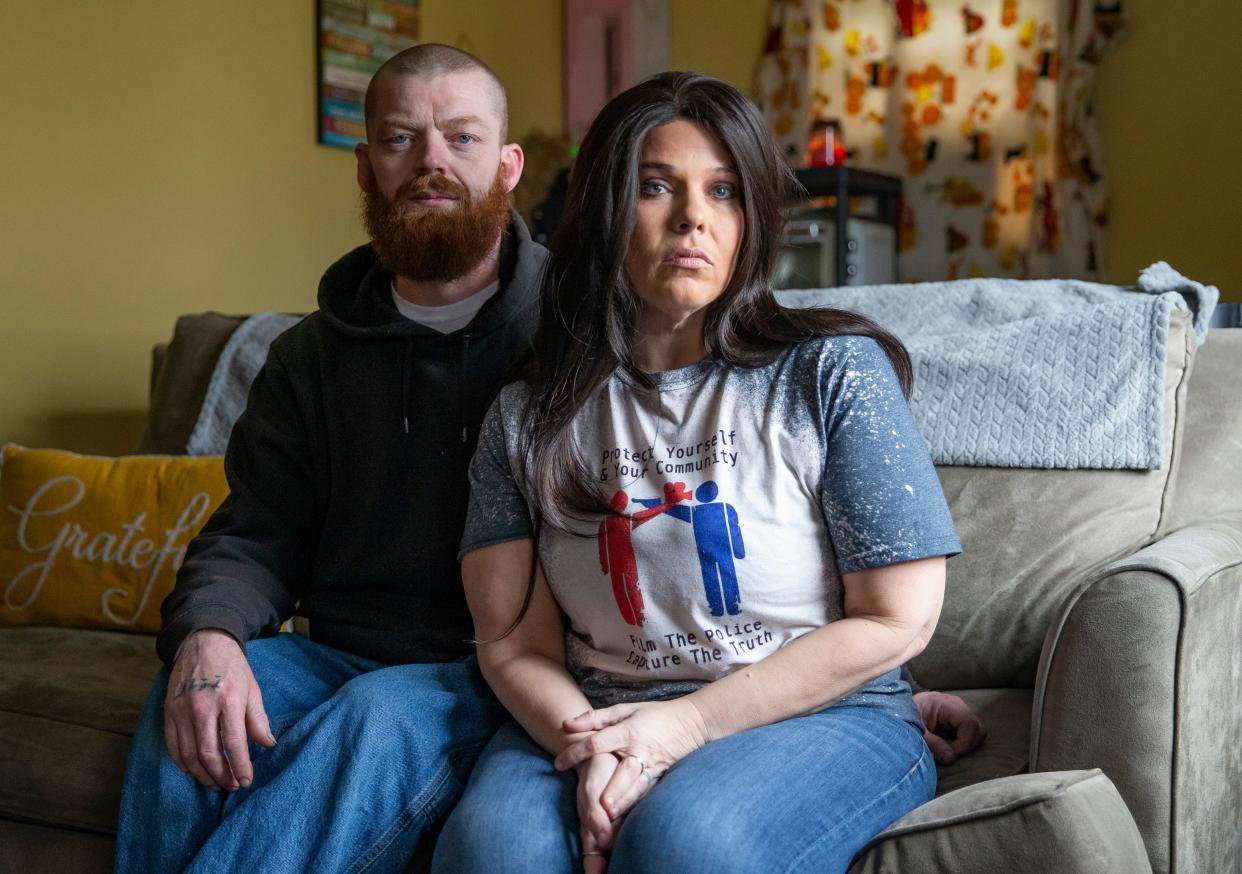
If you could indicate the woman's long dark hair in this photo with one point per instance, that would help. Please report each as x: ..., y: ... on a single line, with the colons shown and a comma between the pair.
x: 588, y: 307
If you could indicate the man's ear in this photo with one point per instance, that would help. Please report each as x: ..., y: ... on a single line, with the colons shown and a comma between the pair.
x: 366, y: 178
x: 512, y: 160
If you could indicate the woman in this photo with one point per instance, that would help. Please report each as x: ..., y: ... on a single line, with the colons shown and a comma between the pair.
x: 740, y: 536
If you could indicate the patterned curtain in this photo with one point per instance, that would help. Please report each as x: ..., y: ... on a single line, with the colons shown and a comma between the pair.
x: 983, y: 107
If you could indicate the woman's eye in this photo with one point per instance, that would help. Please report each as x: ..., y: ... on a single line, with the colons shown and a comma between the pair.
x: 724, y: 191
x: 652, y: 188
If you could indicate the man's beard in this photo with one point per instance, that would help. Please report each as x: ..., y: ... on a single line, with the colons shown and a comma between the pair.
x: 432, y: 244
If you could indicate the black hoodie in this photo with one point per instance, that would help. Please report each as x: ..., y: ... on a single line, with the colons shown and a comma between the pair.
x: 348, y: 471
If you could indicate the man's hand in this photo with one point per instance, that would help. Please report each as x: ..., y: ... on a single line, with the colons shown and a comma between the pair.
x: 949, y: 727
x: 213, y: 703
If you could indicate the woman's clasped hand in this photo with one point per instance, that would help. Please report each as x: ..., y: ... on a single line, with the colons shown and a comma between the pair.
x: 646, y: 739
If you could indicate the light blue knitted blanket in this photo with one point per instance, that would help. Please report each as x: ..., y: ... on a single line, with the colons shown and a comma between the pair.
x: 236, y: 368
x: 1035, y: 373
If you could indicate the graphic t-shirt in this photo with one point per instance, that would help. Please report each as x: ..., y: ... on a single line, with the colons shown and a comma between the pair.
x: 740, y: 496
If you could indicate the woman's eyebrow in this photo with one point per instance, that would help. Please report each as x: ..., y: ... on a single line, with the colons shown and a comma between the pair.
x: 669, y: 168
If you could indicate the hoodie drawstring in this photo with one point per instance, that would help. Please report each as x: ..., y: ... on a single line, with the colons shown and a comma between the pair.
x: 461, y: 386
x: 406, y: 367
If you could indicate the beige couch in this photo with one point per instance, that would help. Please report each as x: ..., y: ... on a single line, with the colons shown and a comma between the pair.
x: 1095, y: 621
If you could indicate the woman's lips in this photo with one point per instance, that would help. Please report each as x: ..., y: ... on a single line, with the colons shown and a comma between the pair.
x: 690, y: 259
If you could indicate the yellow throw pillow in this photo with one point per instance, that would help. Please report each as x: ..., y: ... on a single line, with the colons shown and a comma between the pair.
x: 91, y: 542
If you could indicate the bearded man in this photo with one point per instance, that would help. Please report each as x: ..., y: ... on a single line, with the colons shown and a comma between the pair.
x: 335, y: 749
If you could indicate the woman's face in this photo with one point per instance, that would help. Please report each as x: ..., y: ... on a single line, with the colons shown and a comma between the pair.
x: 688, y: 228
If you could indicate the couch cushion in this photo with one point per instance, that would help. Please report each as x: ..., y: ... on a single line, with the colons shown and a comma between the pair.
x: 1070, y: 822
x: 185, y: 369
x: 1029, y: 537
x: 1006, y: 714
x: 33, y: 849
x: 93, y: 542
x: 69, y: 700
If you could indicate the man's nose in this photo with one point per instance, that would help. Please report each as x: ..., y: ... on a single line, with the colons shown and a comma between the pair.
x: 433, y: 154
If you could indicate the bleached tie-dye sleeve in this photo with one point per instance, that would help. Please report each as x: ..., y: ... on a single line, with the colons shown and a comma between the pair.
x: 880, y: 494
x: 497, y: 512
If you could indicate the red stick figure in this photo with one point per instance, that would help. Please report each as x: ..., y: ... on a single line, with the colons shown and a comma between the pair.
x: 616, y: 549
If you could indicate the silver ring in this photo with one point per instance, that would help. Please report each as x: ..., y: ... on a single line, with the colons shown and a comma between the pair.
x: 642, y: 766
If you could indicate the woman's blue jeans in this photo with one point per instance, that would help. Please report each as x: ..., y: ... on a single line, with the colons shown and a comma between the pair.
x: 804, y: 794
x: 367, y: 757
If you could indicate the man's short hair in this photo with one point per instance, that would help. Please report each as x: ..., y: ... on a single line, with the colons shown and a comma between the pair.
x: 434, y: 59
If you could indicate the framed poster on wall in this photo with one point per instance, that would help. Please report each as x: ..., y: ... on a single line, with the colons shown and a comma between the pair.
x: 353, y: 38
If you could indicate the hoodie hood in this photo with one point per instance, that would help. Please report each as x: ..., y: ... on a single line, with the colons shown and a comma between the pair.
x: 355, y: 294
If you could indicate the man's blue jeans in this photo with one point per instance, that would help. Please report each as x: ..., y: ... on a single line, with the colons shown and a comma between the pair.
x: 367, y: 756
x: 800, y: 795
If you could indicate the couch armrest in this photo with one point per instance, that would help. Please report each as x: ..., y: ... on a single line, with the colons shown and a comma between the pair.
x: 1141, y: 676
x: 1072, y: 822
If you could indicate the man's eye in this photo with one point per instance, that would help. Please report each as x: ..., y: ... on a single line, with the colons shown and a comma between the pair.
x: 399, y: 139
x: 464, y: 139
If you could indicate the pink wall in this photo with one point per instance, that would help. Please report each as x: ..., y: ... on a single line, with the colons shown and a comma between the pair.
x: 586, y: 59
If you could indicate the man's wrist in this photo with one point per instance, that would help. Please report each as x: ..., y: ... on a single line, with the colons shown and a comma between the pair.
x: 197, y: 632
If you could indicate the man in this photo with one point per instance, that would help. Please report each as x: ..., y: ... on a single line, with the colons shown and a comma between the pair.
x: 348, y: 494
x: 336, y: 751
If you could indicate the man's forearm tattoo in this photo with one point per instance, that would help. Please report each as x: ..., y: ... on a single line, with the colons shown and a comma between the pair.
x: 199, y: 684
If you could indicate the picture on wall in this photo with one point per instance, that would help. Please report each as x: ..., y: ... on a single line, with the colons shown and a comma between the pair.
x: 354, y: 37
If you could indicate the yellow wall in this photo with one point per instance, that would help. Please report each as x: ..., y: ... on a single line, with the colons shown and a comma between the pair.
x: 160, y: 158
x: 718, y: 37
x: 1172, y: 126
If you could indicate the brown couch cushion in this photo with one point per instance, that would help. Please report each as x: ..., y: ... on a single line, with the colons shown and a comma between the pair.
x: 69, y: 700
x: 181, y: 384
x: 1029, y: 537
x: 33, y: 849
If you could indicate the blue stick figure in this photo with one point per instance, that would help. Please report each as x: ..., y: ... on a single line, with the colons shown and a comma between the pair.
x: 718, y: 537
